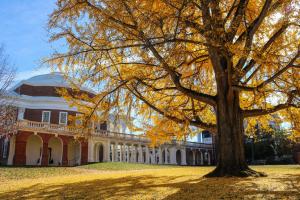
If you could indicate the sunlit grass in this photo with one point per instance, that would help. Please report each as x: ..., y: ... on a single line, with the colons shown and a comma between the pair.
x: 135, y: 181
x: 120, y: 166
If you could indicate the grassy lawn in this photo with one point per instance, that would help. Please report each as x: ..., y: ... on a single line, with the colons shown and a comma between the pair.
x: 123, y: 166
x: 137, y: 181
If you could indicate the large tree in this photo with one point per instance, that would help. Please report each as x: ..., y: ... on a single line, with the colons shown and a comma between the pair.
x: 180, y: 63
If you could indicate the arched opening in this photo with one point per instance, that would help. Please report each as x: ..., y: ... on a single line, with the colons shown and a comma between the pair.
x: 74, y: 153
x: 208, y: 158
x: 34, y: 150
x: 98, y: 152
x: 189, y: 157
x: 198, y: 157
x: 55, y: 151
x: 178, y: 157
x: 163, y: 156
x: 144, y: 157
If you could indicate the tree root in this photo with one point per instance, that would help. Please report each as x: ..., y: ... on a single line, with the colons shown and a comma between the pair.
x: 234, y: 172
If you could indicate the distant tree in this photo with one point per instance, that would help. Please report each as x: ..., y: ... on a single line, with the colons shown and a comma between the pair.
x: 8, y: 112
x: 7, y: 71
x: 270, y: 144
x: 182, y: 63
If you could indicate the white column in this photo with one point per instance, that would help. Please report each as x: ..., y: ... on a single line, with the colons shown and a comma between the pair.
x: 194, y: 157
x: 127, y: 152
x: 173, y: 156
x: 12, y: 147
x: 147, y: 155
x: 124, y: 153
x: 91, y: 152
x: 166, y: 155
x: 140, y: 154
x: 134, y: 151
x: 201, y: 157
x: 160, y: 161
x: 107, y: 150
x: 121, y: 152
x: 116, y: 152
x: 153, y: 156
x: 183, y: 156
x: 113, y: 153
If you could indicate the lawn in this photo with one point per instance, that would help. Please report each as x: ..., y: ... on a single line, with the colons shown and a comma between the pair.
x: 137, y: 181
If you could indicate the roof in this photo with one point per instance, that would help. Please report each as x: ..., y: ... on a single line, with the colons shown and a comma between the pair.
x: 54, y: 79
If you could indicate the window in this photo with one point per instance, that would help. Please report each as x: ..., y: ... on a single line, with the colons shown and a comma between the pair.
x: 5, y: 148
x: 46, y: 116
x: 63, y: 118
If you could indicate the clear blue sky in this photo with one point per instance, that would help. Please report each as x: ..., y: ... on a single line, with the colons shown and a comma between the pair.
x: 23, y: 32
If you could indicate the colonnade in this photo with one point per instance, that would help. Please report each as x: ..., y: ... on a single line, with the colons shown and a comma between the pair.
x: 119, y: 151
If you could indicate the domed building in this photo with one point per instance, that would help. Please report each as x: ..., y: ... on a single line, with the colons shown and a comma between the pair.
x: 41, y: 135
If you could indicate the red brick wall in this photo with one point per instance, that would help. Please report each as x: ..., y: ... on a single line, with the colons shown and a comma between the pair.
x: 36, y: 115
x: 20, y: 150
x: 84, y: 152
x: 45, y: 91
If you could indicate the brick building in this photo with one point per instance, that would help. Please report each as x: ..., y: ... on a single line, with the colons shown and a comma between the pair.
x: 43, y: 137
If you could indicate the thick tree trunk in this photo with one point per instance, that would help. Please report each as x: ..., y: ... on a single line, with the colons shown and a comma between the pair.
x: 230, y: 137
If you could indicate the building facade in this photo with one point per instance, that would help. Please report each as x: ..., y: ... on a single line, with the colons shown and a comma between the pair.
x: 42, y: 136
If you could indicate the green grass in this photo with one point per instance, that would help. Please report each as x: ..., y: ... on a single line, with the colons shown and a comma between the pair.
x: 120, y: 166
x: 18, y: 173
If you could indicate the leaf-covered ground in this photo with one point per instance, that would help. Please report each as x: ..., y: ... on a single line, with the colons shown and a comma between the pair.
x: 135, y: 181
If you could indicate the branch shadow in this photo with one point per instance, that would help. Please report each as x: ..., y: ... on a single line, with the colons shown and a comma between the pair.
x: 163, y: 187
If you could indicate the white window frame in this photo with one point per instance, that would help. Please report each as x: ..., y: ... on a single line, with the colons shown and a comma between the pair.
x: 60, y: 118
x: 49, y: 116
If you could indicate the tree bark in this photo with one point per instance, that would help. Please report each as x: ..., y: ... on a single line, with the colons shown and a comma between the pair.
x: 230, y: 137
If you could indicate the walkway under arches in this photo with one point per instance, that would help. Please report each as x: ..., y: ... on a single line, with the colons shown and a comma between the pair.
x: 34, y: 149
x: 55, y: 151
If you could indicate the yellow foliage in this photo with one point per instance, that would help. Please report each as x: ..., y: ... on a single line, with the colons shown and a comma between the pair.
x: 165, y: 61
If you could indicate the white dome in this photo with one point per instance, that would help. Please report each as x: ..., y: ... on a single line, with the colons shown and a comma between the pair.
x: 54, y: 79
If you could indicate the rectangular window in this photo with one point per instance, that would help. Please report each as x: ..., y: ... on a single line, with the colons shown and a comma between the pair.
x: 63, y: 118
x: 46, y: 116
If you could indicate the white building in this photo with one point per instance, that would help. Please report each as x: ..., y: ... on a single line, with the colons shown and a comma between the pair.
x: 43, y: 137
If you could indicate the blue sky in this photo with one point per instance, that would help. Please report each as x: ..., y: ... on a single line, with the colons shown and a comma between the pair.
x: 23, y: 32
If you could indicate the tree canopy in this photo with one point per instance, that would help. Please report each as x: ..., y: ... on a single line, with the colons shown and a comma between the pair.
x: 184, y: 62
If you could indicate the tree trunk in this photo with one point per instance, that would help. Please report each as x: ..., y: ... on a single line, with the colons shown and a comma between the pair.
x: 230, y: 137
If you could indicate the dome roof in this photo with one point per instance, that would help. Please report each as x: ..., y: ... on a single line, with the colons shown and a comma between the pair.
x: 54, y: 79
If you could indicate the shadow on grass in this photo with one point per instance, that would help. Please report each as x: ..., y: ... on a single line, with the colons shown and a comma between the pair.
x: 164, y: 187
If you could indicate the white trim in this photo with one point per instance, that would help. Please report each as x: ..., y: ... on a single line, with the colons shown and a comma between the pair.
x: 44, y: 111
x: 60, y: 118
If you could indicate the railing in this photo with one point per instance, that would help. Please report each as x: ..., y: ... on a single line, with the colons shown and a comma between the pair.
x: 118, y: 135
x: 38, y: 126
x: 56, y: 128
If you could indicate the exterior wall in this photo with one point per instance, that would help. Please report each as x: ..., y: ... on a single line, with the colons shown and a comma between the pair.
x: 36, y: 115
x: 21, y: 142
x: 44, y: 91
